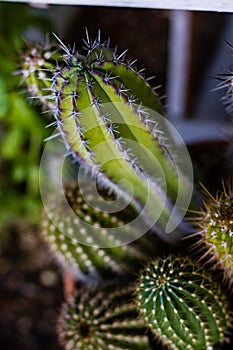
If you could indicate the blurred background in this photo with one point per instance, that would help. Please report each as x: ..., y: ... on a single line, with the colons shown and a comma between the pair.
x: 185, y: 60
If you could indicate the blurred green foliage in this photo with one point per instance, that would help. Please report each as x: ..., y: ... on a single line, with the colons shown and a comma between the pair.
x: 22, y: 129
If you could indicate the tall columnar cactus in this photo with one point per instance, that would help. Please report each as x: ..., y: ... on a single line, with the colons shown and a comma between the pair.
x: 109, y: 118
x: 182, y: 304
x: 102, y: 319
x: 80, y: 237
x: 216, y: 228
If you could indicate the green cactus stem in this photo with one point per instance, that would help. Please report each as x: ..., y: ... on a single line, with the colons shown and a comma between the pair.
x: 182, y: 304
x: 216, y: 228
x: 106, y: 125
x: 35, y: 70
x: 109, y: 118
x: 102, y: 318
x: 81, y: 237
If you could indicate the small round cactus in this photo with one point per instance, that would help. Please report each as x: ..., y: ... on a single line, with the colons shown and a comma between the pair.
x: 216, y: 224
x: 102, y: 318
x: 182, y: 305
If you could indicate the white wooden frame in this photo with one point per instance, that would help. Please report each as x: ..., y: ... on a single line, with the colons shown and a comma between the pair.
x: 193, y: 5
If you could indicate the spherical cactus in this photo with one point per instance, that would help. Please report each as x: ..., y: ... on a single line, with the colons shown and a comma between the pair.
x: 102, y: 318
x: 182, y: 305
x: 216, y: 228
x: 109, y: 118
x: 91, y: 242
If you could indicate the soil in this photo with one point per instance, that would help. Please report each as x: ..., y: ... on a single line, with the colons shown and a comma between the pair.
x: 30, y: 293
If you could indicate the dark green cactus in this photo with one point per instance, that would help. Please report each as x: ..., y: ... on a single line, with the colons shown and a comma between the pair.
x: 109, y: 118
x: 80, y: 237
x: 182, y: 304
x: 102, y: 318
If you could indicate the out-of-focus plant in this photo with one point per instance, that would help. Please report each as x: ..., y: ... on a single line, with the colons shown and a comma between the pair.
x: 22, y: 129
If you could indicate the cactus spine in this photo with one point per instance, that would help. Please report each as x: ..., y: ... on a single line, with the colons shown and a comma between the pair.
x: 100, y: 318
x: 182, y: 304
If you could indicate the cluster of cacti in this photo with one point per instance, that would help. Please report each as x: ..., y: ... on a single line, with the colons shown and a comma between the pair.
x: 110, y: 121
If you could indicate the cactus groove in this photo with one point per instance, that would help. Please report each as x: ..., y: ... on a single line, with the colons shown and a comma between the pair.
x: 182, y: 305
x: 102, y: 318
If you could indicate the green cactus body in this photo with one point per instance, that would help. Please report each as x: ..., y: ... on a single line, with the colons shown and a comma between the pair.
x: 96, y: 143
x: 182, y: 304
x: 84, y: 241
x: 216, y: 223
x: 101, y: 124
x: 101, y: 318
x: 108, y: 116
